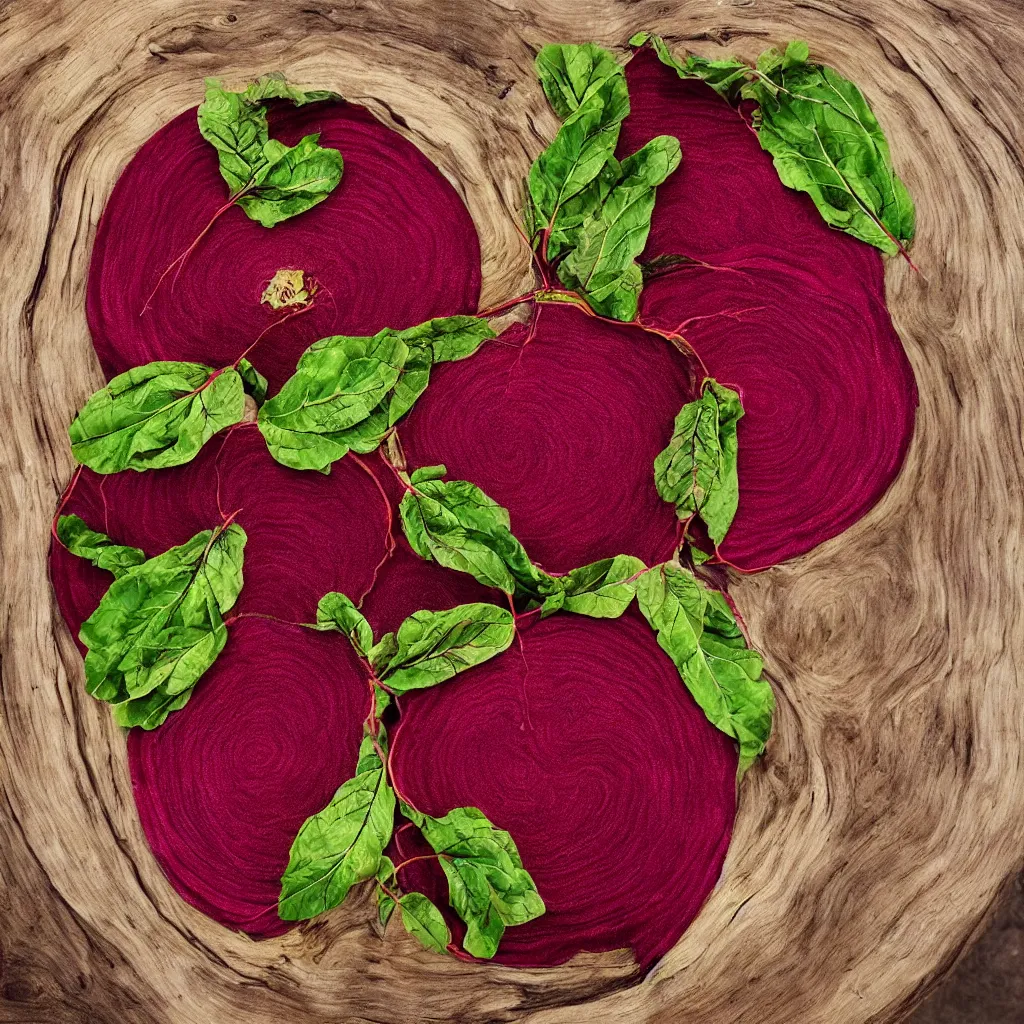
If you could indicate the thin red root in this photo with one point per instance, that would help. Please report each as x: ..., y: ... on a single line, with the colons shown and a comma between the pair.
x: 65, y: 498
x: 180, y: 261
x: 266, y: 330
x: 391, y: 542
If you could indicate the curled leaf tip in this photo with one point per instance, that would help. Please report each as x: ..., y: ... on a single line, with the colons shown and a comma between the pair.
x: 289, y: 288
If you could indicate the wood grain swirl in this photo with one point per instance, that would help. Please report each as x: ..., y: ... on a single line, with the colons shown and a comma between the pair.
x: 890, y: 808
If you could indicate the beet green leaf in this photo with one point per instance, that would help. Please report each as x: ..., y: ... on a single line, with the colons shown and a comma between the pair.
x: 269, y: 180
x: 826, y: 141
x: 253, y: 381
x: 589, y: 132
x: 602, y: 264
x: 337, y: 611
x: 588, y: 214
x: 423, y: 920
x: 698, y: 630
x: 488, y: 886
x: 97, y: 547
x: 569, y: 74
x: 157, y: 415
x: 347, y: 393
x: 602, y: 590
x: 454, y: 523
x: 432, y: 647
x: 725, y: 76
x: 160, y: 626
x: 342, y: 844
x: 697, y: 471
x: 274, y: 86
x: 460, y: 527
x: 822, y: 135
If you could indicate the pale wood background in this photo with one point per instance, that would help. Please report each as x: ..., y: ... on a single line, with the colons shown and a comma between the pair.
x: 890, y: 809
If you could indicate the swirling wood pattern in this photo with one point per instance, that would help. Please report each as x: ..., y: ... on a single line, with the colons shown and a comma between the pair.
x: 890, y: 808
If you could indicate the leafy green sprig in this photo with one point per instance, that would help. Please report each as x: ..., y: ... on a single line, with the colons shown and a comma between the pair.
x: 343, y: 844
x: 823, y: 137
x: 161, y: 624
x: 269, y: 181
x: 456, y: 524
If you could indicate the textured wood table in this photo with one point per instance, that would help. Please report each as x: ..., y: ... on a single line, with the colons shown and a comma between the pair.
x: 890, y: 809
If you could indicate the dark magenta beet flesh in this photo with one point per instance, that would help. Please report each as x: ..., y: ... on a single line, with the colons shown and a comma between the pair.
x: 828, y: 390
x: 393, y: 245
x: 584, y: 743
x: 307, y: 533
x: 224, y: 784
x: 563, y: 432
x: 590, y: 752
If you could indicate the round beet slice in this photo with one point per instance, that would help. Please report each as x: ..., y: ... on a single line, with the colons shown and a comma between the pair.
x: 828, y: 393
x: 806, y: 336
x: 393, y: 245
x: 307, y: 533
x: 223, y: 786
x: 562, y: 431
x: 587, y: 748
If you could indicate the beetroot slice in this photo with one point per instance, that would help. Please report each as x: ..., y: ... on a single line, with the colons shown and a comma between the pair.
x: 828, y: 393
x: 307, y: 533
x: 828, y: 390
x: 563, y: 432
x: 392, y: 246
x: 725, y: 202
x: 223, y: 786
x: 588, y: 749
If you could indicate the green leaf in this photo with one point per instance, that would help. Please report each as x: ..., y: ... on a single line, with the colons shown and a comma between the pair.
x: 697, y: 471
x: 725, y: 76
x: 456, y: 524
x: 347, y: 393
x: 97, y: 547
x: 825, y: 141
x: 237, y: 129
x: 604, y: 589
x: 271, y: 181
x: 569, y: 73
x: 488, y: 886
x: 291, y: 180
x: 449, y: 338
x: 155, y: 416
x: 338, y: 611
x: 160, y: 626
x: 585, y: 142
x: 385, y: 904
x: 341, y: 845
x: 601, y: 266
x: 431, y: 647
x: 428, y: 473
x: 422, y: 919
x: 274, y: 86
x: 253, y: 381
x: 697, y: 629
x: 338, y: 383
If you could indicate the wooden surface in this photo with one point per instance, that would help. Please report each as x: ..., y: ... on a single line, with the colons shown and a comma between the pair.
x: 890, y: 809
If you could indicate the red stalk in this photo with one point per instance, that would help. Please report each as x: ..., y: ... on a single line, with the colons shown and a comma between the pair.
x: 60, y: 508
x: 391, y: 542
x: 180, y: 260
x: 266, y: 330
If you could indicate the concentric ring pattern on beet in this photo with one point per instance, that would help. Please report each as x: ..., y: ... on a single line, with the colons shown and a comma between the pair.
x: 483, y: 661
